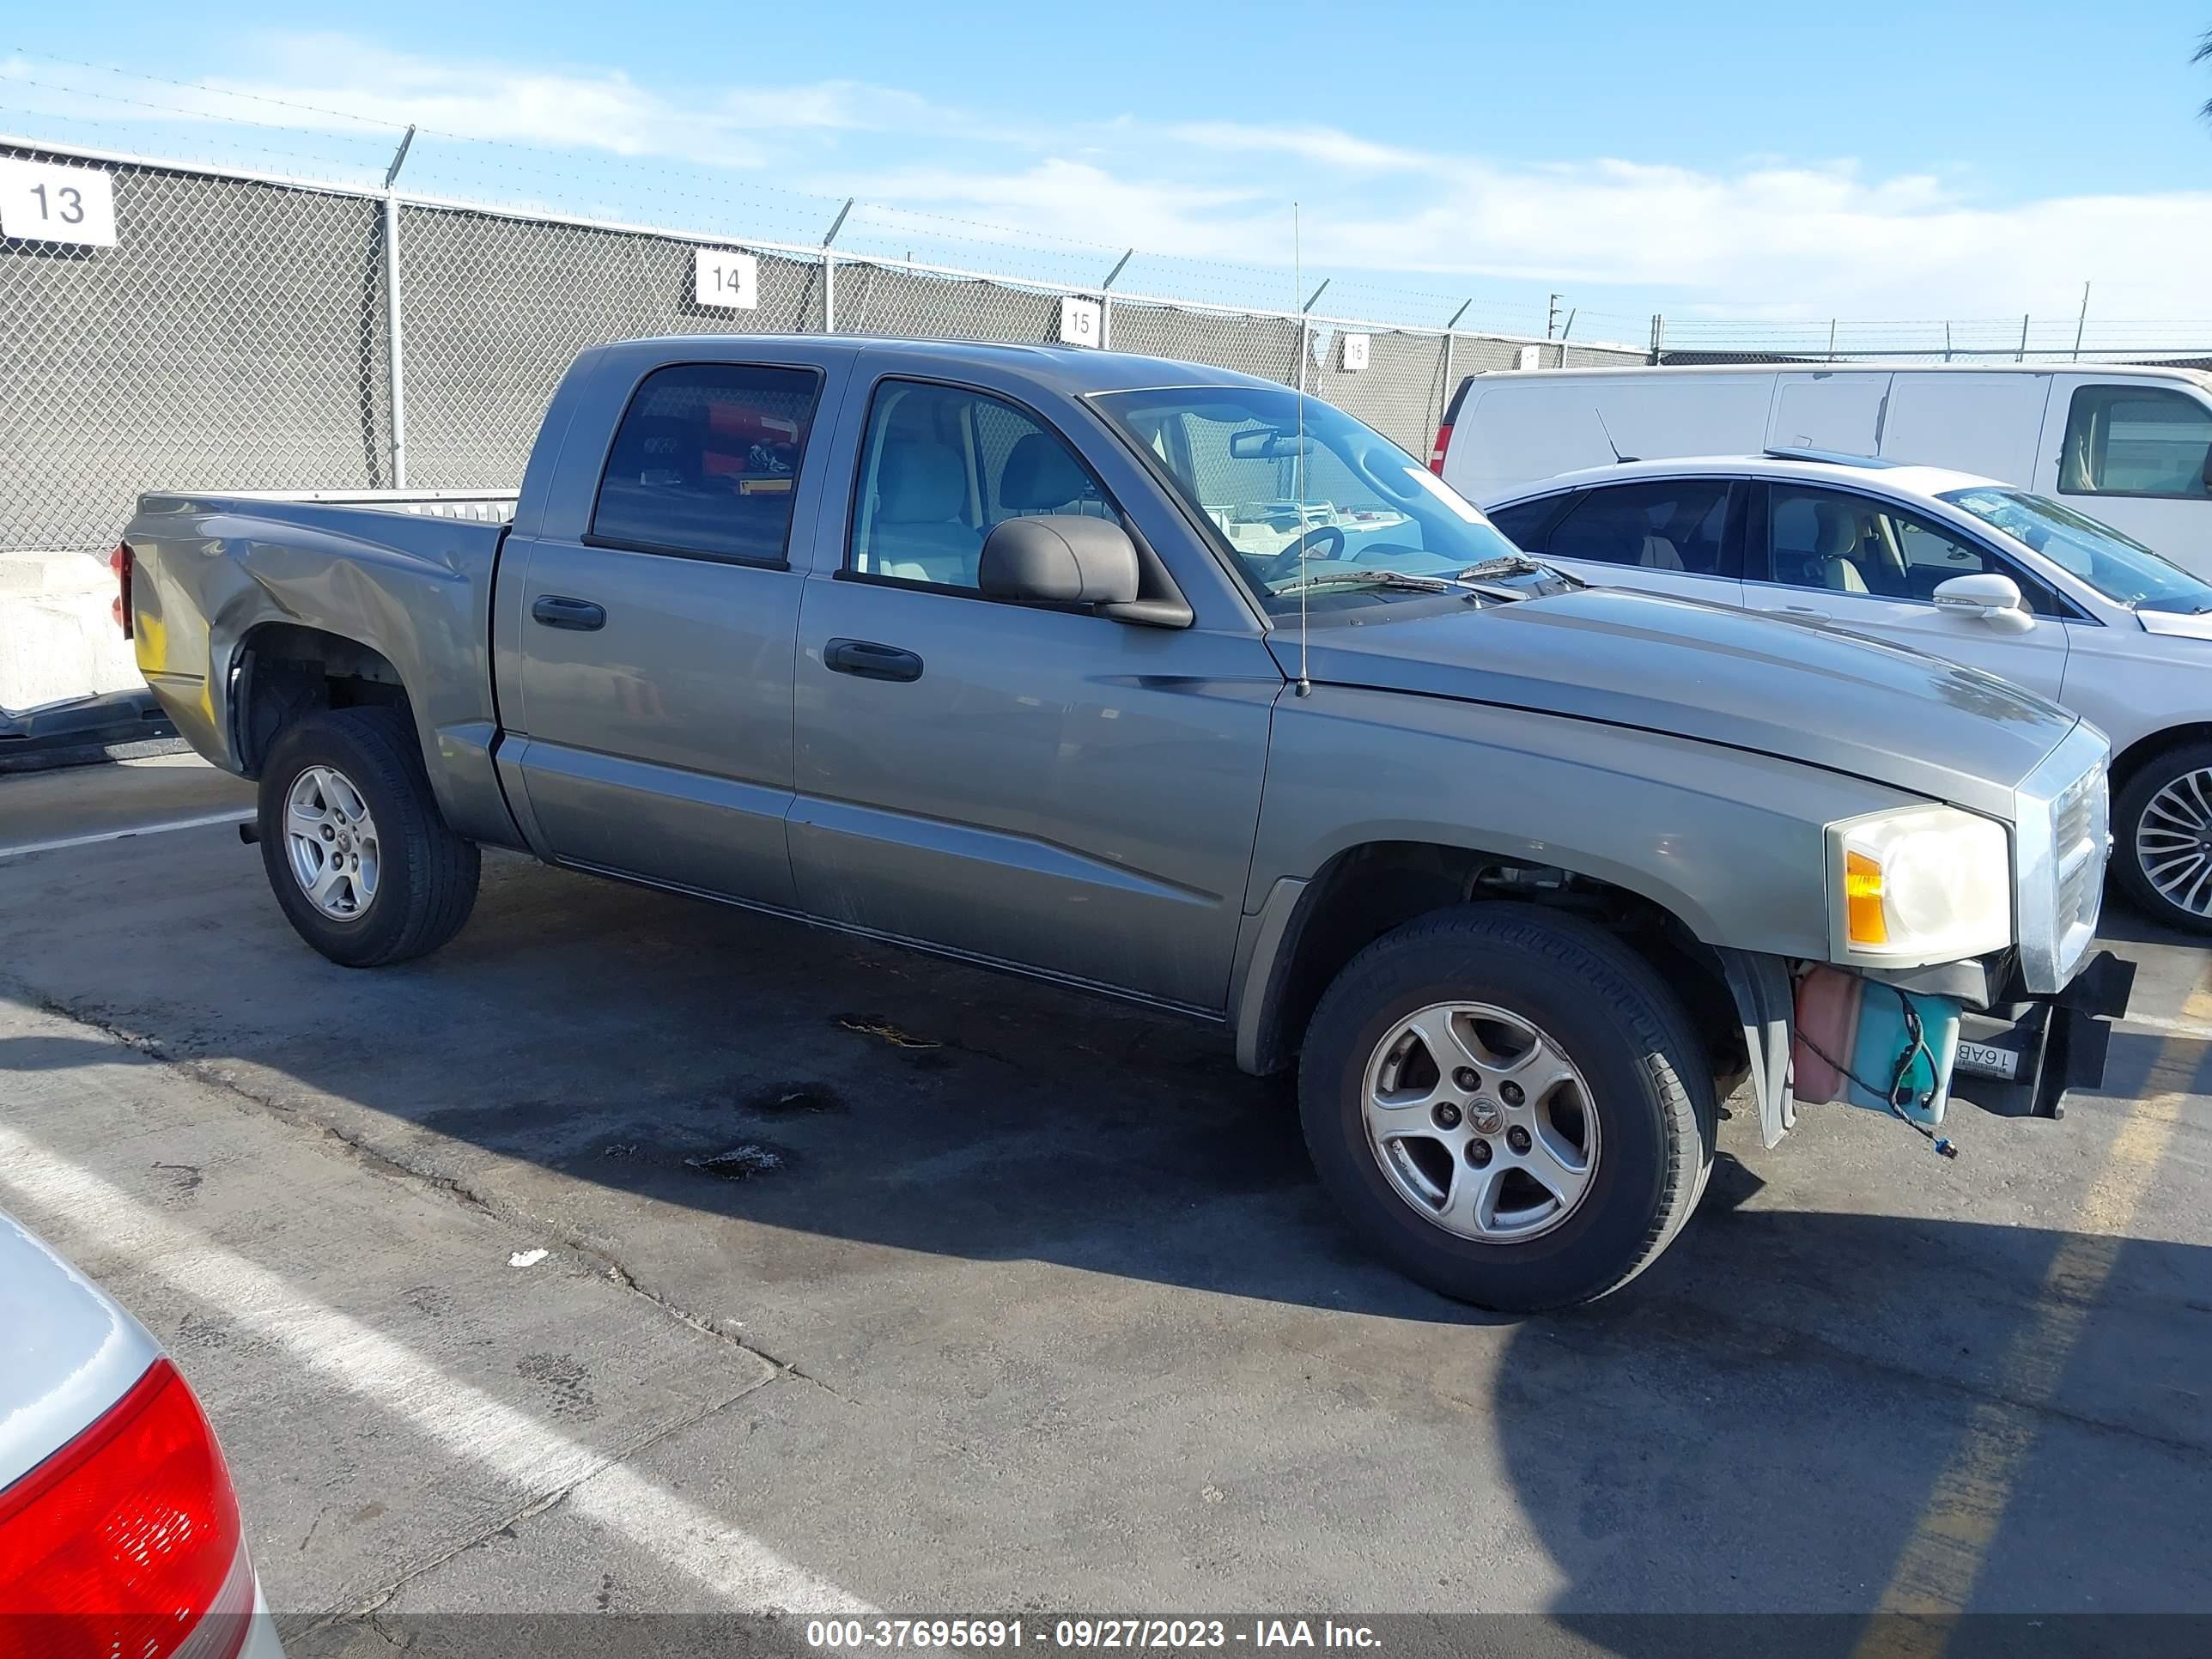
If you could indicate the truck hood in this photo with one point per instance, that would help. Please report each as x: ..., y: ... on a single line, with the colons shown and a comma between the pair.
x: 1831, y: 699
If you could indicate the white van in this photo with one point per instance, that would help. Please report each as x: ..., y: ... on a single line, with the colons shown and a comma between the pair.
x: 2130, y: 447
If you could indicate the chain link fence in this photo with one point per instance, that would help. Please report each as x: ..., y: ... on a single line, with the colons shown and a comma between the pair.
x: 238, y: 336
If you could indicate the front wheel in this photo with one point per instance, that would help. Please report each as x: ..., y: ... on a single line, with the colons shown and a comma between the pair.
x: 361, y: 863
x: 1509, y: 1106
x: 2162, y: 825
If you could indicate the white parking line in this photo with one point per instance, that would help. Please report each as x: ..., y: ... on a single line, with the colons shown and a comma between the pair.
x: 466, y: 1423
x: 126, y: 835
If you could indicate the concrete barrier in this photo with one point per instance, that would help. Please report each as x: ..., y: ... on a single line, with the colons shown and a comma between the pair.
x: 58, y: 641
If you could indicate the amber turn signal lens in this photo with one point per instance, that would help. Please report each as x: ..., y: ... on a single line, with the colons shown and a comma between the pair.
x: 1862, y: 900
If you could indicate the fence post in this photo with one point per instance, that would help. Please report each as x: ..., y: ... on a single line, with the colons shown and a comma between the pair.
x: 829, y: 270
x: 1106, y: 302
x: 2023, y: 357
x: 1305, y: 330
x: 394, y: 326
x: 1658, y: 339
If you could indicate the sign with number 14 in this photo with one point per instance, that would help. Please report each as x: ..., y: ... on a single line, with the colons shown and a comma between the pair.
x: 42, y: 202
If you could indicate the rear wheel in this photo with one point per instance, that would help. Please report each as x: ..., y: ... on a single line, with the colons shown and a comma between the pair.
x: 1508, y: 1105
x: 2162, y: 824
x: 361, y: 863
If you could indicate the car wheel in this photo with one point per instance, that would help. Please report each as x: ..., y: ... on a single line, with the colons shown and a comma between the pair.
x: 361, y: 863
x: 2162, y: 824
x: 1507, y: 1105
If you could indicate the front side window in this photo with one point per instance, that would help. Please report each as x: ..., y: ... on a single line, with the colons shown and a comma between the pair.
x: 2136, y: 441
x: 943, y: 467
x: 1847, y: 543
x: 2118, y: 567
x: 1306, y: 492
x: 706, y: 462
x: 1673, y: 525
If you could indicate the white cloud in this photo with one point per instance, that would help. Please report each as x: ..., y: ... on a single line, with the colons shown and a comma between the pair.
x: 1330, y: 146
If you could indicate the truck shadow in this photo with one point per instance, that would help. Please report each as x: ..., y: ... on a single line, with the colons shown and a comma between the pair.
x: 1760, y: 1423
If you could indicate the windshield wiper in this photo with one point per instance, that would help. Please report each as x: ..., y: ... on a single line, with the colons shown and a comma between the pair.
x: 1398, y: 579
x: 1516, y: 564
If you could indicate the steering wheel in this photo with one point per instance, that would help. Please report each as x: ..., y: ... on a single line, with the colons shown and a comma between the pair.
x: 1277, y: 566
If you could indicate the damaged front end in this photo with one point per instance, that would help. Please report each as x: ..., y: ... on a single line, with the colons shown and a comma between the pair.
x: 1906, y: 1043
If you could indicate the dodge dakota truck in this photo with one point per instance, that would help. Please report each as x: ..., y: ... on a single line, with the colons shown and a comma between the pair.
x: 1171, y: 685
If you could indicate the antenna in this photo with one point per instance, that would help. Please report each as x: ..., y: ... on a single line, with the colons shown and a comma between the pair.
x: 1609, y: 444
x: 1298, y: 455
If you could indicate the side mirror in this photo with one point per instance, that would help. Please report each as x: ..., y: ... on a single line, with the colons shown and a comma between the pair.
x: 1060, y: 559
x: 1988, y: 596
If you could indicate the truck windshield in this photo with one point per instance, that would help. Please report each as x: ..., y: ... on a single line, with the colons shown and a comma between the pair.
x: 1363, y: 507
x: 2117, y: 566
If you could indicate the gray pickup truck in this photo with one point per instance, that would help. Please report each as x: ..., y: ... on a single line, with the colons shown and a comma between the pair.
x: 1167, y: 683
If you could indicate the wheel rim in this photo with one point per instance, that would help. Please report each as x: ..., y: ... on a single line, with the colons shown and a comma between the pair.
x: 330, y: 841
x: 1480, y: 1121
x: 2173, y: 842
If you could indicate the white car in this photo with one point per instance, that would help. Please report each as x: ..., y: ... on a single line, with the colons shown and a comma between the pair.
x: 2130, y: 444
x: 1950, y: 563
x: 119, y: 1529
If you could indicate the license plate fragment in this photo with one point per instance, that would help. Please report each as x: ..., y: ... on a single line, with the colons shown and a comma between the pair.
x: 1987, y: 1059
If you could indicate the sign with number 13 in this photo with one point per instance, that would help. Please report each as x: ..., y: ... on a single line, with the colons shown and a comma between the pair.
x: 42, y: 202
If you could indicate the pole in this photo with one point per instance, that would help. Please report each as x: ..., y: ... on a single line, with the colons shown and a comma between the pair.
x: 1947, y: 342
x: 1106, y: 302
x: 1551, y: 315
x: 2023, y: 357
x: 1658, y: 338
x: 1457, y: 315
x: 829, y: 270
x: 2081, y: 322
x: 1305, y: 332
x: 1832, y: 340
x: 394, y: 325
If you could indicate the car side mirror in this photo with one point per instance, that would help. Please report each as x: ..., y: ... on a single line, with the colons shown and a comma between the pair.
x: 1062, y: 558
x: 1988, y: 596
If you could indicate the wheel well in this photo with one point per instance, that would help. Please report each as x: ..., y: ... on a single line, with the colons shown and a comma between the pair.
x: 2136, y: 755
x: 283, y: 672
x: 1366, y: 891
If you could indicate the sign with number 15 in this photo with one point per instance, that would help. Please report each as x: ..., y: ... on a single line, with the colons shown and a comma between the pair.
x: 42, y: 202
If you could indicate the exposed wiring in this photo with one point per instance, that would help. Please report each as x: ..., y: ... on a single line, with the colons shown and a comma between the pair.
x: 1899, y: 1093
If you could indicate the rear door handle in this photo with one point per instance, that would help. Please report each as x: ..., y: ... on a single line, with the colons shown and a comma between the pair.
x: 871, y: 661
x: 580, y: 614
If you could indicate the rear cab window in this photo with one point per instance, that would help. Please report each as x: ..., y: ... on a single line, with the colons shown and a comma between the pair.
x: 2124, y: 440
x: 705, y: 462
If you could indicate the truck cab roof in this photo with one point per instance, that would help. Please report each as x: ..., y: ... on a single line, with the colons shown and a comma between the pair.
x: 1077, y: 371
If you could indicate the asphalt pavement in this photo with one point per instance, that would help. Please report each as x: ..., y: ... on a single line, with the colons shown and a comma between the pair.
x: 636, y: 1255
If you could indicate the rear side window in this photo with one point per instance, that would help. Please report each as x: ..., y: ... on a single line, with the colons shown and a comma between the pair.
x: 1678, y: 524
x: 1525, y: 523
x: 2136, y: 441
x: 706, y: 462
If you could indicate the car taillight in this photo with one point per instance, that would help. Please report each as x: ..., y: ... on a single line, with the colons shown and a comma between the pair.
x: 126, y: 1541
x: 1435, y: 455
x: 120, y: 561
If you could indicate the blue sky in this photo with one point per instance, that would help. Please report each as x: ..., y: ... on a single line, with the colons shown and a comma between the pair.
x: 1871, y: 162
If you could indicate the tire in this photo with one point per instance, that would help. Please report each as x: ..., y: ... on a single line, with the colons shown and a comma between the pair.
x: 417, y: 890
x: 1641, y: 1094
x: 2130, y: 866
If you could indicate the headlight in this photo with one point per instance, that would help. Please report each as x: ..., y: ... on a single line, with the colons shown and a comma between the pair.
x: 1927, y: 883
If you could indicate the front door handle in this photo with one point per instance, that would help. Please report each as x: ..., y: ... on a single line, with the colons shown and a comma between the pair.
x: 871, y: 661
x: 1810, y: 613
x: 556, y: 611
